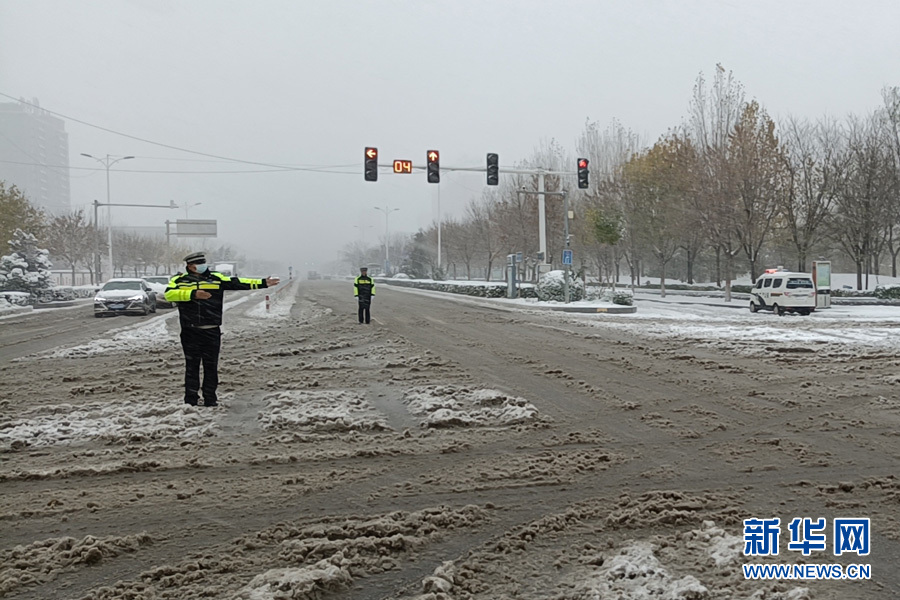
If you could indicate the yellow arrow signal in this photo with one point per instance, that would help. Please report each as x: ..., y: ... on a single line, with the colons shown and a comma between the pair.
x: 433, y: 156
x: 371, y: 152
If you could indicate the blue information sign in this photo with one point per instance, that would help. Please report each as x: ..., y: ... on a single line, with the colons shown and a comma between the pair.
x: 567, y: 257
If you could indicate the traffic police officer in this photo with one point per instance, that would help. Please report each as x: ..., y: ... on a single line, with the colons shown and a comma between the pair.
x: 199, y: 295
x: 364, y: 289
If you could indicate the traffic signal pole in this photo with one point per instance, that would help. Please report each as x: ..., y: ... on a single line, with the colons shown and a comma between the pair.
x: 492, y: 169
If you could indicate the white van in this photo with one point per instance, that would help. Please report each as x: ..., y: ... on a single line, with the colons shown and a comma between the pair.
x: 783, y: 291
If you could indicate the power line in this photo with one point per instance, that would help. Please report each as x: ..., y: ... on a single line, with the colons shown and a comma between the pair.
x: 181, y: 172
x: 160, y: 144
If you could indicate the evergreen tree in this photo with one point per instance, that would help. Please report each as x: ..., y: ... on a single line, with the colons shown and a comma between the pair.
x: 27, y: 267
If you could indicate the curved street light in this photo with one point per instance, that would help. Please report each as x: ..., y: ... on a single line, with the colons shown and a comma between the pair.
x: 188, y: 206
x: 107, y: 162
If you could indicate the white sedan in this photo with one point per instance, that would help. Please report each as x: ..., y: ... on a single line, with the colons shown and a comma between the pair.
x: 124, y: 295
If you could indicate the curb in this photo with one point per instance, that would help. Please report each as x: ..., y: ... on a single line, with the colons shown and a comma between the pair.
x: 614, y: 310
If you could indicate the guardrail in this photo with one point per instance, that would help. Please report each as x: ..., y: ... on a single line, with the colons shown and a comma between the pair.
x: 278, y: 288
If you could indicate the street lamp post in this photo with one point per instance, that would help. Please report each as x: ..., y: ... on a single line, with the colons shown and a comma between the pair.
x: 387, y: 259
x: 108, y: 162
x: 188, y: 206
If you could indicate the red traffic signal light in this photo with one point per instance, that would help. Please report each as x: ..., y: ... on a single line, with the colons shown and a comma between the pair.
x: 434, y: 166
x: 583, y: 173
x: 370, y: 161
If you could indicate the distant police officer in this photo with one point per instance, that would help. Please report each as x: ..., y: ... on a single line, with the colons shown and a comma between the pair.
x: 364, y: 289
x: 199, y: 295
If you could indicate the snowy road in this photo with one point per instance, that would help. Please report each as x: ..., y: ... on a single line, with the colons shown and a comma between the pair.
x: 455, y: 448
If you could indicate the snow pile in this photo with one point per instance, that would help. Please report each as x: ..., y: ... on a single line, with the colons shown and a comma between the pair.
x: 296, y: 583
x: 717, y: 323
x: 337, y: 551
x: 451, y: 406
x: 42, y: 561
x: 320, y: 412
x: 723, y: 548
x: 636, y: 573
x: 118, y: 423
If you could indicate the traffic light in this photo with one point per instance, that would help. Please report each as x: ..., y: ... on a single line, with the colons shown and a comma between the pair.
x: 493, y: 169
x: 434, y: 166
x: 371, y: 164
x: 582, y: 173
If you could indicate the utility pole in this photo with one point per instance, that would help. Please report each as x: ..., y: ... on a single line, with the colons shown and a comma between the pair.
x: 97, y: 277
x: 387, y: 240
x: 543, y: 226
x: 108, y: 162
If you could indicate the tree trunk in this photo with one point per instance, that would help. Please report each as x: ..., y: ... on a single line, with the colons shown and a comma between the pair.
x: 690, y: 267
x: 662, y: 280
x: 718, y: 266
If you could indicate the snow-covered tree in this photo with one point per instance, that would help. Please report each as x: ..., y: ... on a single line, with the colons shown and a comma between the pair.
x: 27, y: 267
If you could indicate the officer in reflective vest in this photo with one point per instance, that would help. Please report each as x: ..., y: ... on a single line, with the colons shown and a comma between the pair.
x: 364, y: 289
x: 199, y: 295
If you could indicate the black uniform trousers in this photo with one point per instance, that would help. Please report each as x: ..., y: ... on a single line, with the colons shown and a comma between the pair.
x: 364, y: 315
x: 201, y: 346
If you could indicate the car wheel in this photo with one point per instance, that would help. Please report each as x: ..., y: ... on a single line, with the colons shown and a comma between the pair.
x: 753, y: 307
x: 98, y: 315
x: 778, y: 310
x: 146, y: 309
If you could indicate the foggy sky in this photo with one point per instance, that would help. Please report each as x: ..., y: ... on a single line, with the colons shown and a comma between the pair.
x: 307, y: 83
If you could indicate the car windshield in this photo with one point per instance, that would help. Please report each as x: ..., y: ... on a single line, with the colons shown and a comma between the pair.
x: 799, y: 282
x: 122, y: 285
x: 157, y: 279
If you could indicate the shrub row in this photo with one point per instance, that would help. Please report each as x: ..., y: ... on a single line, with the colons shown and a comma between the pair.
x: 60, y: 293
x: 498, y: 290
x: 485, y: 290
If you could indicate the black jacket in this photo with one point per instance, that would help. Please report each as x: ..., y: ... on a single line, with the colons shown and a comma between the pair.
x: 183, y: 288
x: 364, y: 287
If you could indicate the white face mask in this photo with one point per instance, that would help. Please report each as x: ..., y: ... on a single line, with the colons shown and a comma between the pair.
x: 202, y: 268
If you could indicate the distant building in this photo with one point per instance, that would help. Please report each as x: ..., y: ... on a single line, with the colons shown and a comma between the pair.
x: 34, y: 155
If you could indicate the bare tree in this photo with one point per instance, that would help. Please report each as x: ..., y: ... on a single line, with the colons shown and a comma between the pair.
x: 713, y: 116
x: 816, y: 166
x: 70, y: 237
x: 758, y: 169
x: 890, y: 114
x: 864, y: 205
x: 487, y: 230
x: 608, y: 150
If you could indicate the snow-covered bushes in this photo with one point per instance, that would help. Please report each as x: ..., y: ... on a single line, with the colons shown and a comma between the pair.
x: 887, y: 292
x: 56, y: 294
x: 622, y: 296
x: 15, y: 299
x: 551, y: 287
